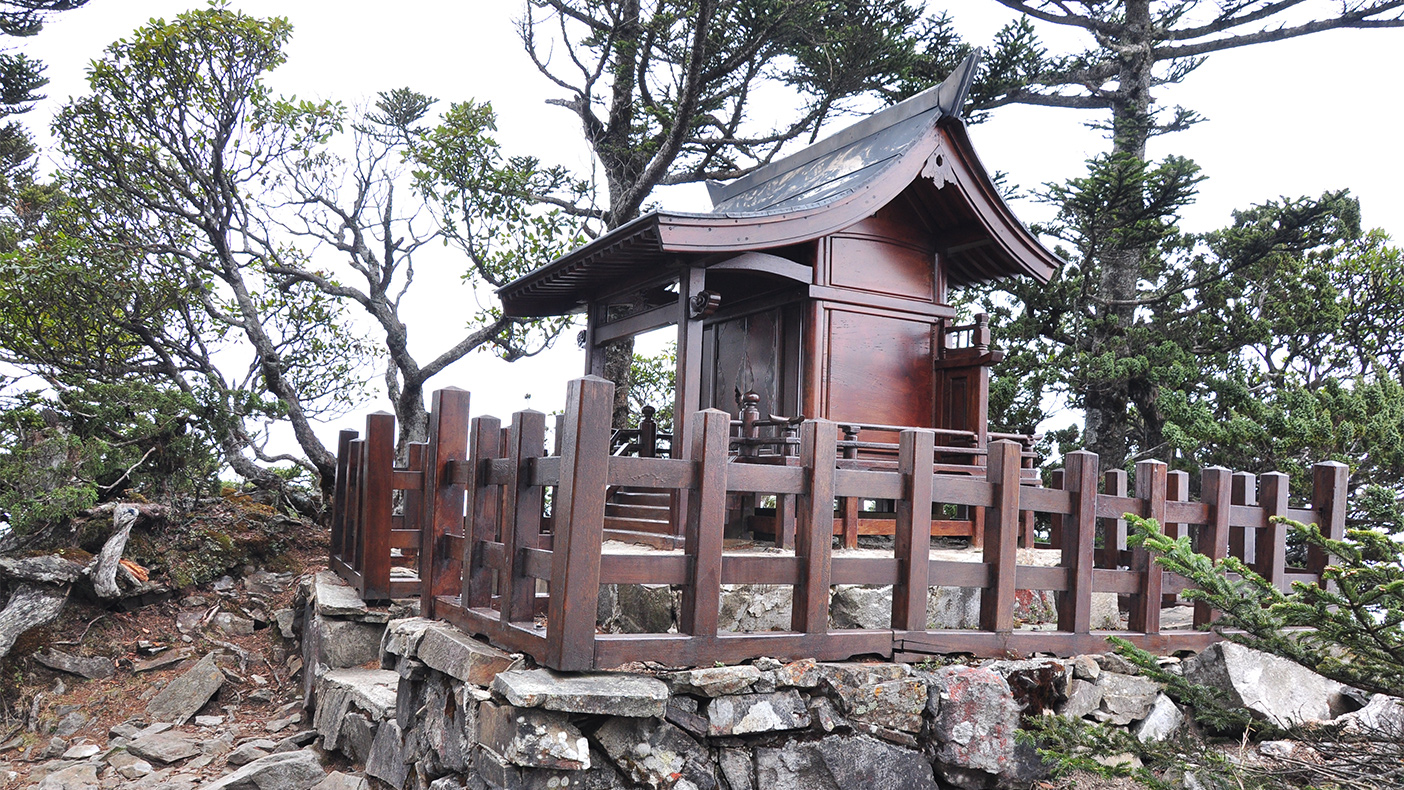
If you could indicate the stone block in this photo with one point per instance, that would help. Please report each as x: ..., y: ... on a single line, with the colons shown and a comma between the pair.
x: 532, y: 737
x: 750, y: 713
x: 1163, y: 721
x: 335, y: 598
x: 842, y: 763
x: 610, y: 693
x: 1125, y: 698
x: 713, y: 681
x: 1084, y: 697
x: 165, y: 747
x: 401, y: 639
x: 647, y: 608
x: 653, y: 753
x: 346, y: 643
x: 387, y: 755
x: 974, y: 722
x: 184, y: 696
x: 299, y: 770
x: 894, y: 704
x: 339, y: 691
x: 461, y: 656
x: 755, y: 607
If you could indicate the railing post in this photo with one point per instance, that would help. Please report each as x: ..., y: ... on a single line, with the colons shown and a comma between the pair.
x: 353, y: 539
x: 1001, y: 549
x: 1057, y: 480
x: 377, y: 496
x: 339, y: 486
x: 1272, y: 551
x: 1079, y: 540
x: 412, y: 515
x: 1145, y: 605
x: 440, y: 569
x: 522, y: 508
x: 485, y: 444
x: 1328, y: 499
x: 579, y: 524
x: 912, y: 539
x: 1176, y: 490
x: 1243, y: 541
x: 1216, y: 491
x: 648, y: 433
x: 814, y: 527
x: 706, y: 520
x: 849, y: 504
x: 1114, y: 541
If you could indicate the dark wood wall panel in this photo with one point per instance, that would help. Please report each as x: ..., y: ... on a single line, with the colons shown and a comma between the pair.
x: 879, y: 369
x: 878, y: 266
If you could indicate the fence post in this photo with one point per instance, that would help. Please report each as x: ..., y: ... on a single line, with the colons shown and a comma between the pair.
x: 579, y: 524
x: 706, y: 520
x: 1114, y: 541
x: 1272, y: 551
x: 353, y: 539
x: 412, y: 516
x: 1216, y: 491
x: 1145, y: 605
x: 483, y: 500
x: 1079, y: 541
x: 1001, y: 549
x: 338, y: 514
x: 1243, y: 541
x: 1057, y: 481
x: 439, y: 568
x: 521, y: 505
x: 1176, y: 490
x: 814, y: 527
x: 1328, y: 499
x: 377, y: 496
x: 911, y: 543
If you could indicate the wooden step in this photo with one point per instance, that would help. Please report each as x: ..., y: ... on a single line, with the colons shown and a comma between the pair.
x: 638, y: 525
x: 652, y: 539
x: 649, y: 512
x: 650, y: 498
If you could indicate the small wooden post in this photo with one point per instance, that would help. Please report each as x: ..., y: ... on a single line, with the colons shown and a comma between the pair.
x: 1079, y: 540
x: 441, y: 570
x: 353, y: 539
x: 814, y: 527
x: 648, y: 433
x: 412, y: 515
x: 339, y: 486
x: 377, y: 496
x: 1145, y: 605
x: 1272, y: 550
x: 1114, y: 540
x: 1176, y: 490
x: 1056, y: 481
x: 579, y: 524
x: 1001, y: 549
x: 850, y: 503
x: 706, y: 521
x: 1243, y: 541
x: 522, y: 506
x: 1328, y: 499
x: 483, y: 512
x: 1216, y: 491
x: 911, y: 543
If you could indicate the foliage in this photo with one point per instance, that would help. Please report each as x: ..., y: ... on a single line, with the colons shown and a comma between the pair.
x: 653, y: 380
x: 1351, y: 629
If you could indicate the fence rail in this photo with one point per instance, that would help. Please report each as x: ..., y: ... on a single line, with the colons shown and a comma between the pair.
x: 510, y: 538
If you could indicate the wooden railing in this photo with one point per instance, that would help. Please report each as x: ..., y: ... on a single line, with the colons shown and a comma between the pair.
x: 532, y: 585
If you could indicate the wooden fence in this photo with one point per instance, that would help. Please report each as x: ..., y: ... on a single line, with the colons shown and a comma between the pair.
x: 527, y: 527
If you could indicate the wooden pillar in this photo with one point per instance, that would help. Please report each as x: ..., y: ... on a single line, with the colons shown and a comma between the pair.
x: 912, y: 539
x: 1272, y: 547
x: 1079, y: 539
x: 706, y: 521
x: 522, y: 508
x: 339, y: 487
x: 1216, y: 491
x: 594, y: 354
x: 814, y: 527
x: 483, y: 511
x: 377, y: 495
x: 1328, y: 499
x: 848, y: 505
x: 440, y: 570
x: 687, y: 397
x: 578, y: 513
x: 1145, y: 604
x: 1001, y: 547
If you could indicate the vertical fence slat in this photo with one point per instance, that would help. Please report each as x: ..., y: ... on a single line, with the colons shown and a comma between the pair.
x: 814, y: 527
x: 1002, y: 527
x: 1216, y: 491
x: 1176, y: 490
x: 912, y: 539
x: 440, y: 570
x: 1243, y: 541
x: 483, y: 501
x: 1057, y: 481
x: 706, y: 520
x: 378, y: 498
x: 354, y: 539
x: 1079, y: 539
x: 1145, y: 604
x: 1272, y: 547
x: 1114, y: 540
x: 522, y: 502
x: 339, y: 486
x: 1328, y: 499
x: 413, y: 502
x: 579, y: 524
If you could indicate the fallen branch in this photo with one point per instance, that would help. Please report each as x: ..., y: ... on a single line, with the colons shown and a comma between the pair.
x: 30, y: 606
x: 105, y: 572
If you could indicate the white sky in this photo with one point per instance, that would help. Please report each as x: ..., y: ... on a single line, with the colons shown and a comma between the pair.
x: 1285, y: 119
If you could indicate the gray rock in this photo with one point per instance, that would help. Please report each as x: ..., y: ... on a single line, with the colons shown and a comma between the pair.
x: 208, y: 721
x: 166, y: 659
x: 448, y: 724
x: 346, y: 643
x: 975, y: 720
x: 842, y: 763
x: 402, y: 637
x: 261, y: 582
x: 1163, y: 721
x: 713, y: 681
x: 736, y: 768
x: 823, y: 713
x: 372, y: 691
x: 654, y: 753
x: 532, y: 737
x: 188, y: 622
x: 298, y: 770
x: 128, y: 765
x: 490, y: 771
x: 1125, y: 698
x: 612, y: 693
x: 337, y: 780
x: 335, y: 598
x: 357, y: 733
x: 278, y: 725
x: 953, y: 607
x: 90, y: 667
x: 682, y: 711
x: 165, y: 747
x: 1083, y: 699
x: 449, y: 782
x: 861, y: 606
x: 248, y: 752
x: 71, y: 724
x: 895, y: 704
x: 286, y: 619
x: 646, y: 608
x: 184, y: 696
x: 48, y: 569
x: 82, y: 751
x: 75, y: 777
x: 1272, y: 688
x: 802, y: 674
x: 748, y: 713
x: 233, y: 624
x: 1382, y: 716
x: 837, y: 676
x: 1084, y: 668
x: 387, y: 755
x: 755, y: 607
x: 461, y: 656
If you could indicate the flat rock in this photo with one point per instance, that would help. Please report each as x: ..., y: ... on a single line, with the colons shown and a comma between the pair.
x: 184, y: 696
x: 75, y: 777
x: 82, y: 751
x: 612, y: 693
x: 655, y: 754
x: 165, y: 747
x: 1125, y: 698
x: 748, y: 713
x: 1271, y: 688
x: 335, y: 598
x: 233, y: 624
x: 337, y: 780
x: 802, y: 674
x: 532, y: 737
x: 166, y: 659
x: 402, y: 637
x: 128, y: 765
x: 188, y: 622
x: 895, y: 704
x: 842, y: 763
x: 713, y: 681
x: 461, y: 656
x: 1083, y: 698
x: 248, y: 752
x: 261, y: 582
x: 90, y: 667
x: 340, y: 691
x: 299, y: 770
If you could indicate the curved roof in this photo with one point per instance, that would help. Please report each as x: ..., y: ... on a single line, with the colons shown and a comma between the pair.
x: 918, y: 146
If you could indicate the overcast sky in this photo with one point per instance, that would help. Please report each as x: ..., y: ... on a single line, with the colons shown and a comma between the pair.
x: 1284, y: 119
